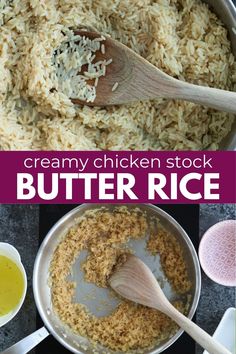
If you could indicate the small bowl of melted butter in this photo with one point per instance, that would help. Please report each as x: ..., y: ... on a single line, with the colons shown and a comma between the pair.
x: 13, y: 282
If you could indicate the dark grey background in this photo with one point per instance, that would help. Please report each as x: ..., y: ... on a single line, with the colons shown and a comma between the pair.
x: 19, y: 225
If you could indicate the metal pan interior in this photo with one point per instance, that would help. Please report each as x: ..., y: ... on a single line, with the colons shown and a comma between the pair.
x: 100, y: 303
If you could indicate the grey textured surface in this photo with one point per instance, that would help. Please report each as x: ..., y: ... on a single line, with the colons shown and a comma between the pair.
x: 215, y: 299
x: 19, y: 226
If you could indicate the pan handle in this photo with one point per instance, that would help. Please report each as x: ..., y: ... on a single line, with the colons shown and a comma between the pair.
x: 27, y: 343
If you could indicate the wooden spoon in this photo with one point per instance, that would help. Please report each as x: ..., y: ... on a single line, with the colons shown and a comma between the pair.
x: 140, y: 80
x: 135, y: 281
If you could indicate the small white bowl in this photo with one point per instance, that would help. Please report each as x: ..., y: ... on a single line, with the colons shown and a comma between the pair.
x: 226, y: 331
x: 11, y: 252
x: 217, y: 253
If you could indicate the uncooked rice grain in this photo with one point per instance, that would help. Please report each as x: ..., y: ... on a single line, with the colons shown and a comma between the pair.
x: 103, y: 50
x: 115, y: 86
x: 181, y: 37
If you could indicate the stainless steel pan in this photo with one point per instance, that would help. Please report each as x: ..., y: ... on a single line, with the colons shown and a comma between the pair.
x: 226, y: 11
x: 63, y: 334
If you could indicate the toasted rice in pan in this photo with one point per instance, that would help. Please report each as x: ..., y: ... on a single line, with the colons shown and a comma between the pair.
x: 104, y: 235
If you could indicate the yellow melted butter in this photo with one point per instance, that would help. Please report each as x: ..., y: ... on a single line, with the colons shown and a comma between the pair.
x: 11, y: 285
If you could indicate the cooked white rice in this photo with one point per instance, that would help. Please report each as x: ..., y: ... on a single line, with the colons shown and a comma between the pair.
x: 182, y: 37
x: 115, y: 86
x: 69, y: 60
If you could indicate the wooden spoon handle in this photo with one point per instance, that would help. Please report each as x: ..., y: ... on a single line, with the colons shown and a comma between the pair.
x: 198, y: 334
x: 206, y: 96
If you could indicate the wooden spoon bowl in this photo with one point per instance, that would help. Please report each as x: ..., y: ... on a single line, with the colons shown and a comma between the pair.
x: 135, y: 281
x: 118, y: 71
x: 140, y: 80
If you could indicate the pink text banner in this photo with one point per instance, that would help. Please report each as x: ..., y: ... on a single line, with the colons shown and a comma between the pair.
x: 117, y: 177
